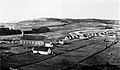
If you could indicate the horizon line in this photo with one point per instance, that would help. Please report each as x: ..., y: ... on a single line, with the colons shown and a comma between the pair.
x: 17, y: 21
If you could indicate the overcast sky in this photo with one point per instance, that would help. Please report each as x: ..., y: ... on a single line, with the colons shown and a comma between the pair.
x: 16, y: 10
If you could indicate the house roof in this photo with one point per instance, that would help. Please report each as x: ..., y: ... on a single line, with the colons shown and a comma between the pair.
x: 41, y: 48
x: 33, y: 37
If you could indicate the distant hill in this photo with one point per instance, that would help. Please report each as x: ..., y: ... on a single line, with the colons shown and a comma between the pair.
x: 68, y: 20
x: 45, y: 20
x: 50, y: 22
x: 93, y: 20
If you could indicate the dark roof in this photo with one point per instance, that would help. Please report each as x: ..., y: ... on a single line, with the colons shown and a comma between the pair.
x: 60, y: 38
x: 41, y: 48
x: 7, y: 39
x: 33, y: 37
x: 69, y: 36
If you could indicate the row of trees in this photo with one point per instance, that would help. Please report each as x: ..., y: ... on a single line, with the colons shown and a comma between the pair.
x: 7, y: 31
x: 105, y: 27
x: 38, y: 30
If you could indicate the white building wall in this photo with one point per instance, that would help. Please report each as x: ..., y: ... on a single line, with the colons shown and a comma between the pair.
x: 32, y: 42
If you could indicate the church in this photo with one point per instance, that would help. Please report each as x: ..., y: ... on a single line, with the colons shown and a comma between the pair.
x: 33, y: 40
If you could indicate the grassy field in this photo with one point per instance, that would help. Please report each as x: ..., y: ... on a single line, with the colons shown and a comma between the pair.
x: 109, y: 58
x: 29, y: 57
x: 76, y: 54
x: 68, y: 59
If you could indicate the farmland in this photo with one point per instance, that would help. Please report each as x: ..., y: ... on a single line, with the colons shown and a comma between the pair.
x: 77, y: 54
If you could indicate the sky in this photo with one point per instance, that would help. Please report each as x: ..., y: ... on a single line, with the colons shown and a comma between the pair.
x: 17, y: 10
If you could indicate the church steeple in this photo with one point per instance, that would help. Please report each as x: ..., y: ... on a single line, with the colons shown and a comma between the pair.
x: 22, y: 33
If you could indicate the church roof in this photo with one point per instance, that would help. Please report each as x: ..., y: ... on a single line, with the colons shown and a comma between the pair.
x: 41, y: 48
x: 33, y: 37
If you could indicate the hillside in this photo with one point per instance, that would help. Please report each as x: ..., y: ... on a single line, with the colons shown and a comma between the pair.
x: 61, y: 23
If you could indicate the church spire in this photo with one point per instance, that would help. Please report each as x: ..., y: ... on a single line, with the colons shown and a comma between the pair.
x: 22, y: 33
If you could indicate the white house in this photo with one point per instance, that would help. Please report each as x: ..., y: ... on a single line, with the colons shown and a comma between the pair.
x: 48, y: 44
x: 111, y: 38
x: 69, y: 37
x: 62, y: 42
x: 42, y: 50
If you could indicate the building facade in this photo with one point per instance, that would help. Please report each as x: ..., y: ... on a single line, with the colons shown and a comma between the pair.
x: 33, y: 40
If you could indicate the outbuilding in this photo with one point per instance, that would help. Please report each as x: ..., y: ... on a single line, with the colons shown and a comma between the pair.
x: 42, y: 50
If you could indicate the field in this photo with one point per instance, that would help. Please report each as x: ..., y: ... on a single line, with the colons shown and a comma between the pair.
x: 77, y: 52
x: 93, y: 53
x: 70, y: 58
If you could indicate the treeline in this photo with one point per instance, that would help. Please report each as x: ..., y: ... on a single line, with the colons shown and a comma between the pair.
x: 38, y: 30
x: 105, y: 27
x: 7, y: 31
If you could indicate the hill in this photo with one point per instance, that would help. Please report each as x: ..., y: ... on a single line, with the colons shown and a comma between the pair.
x: 56, y: 22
